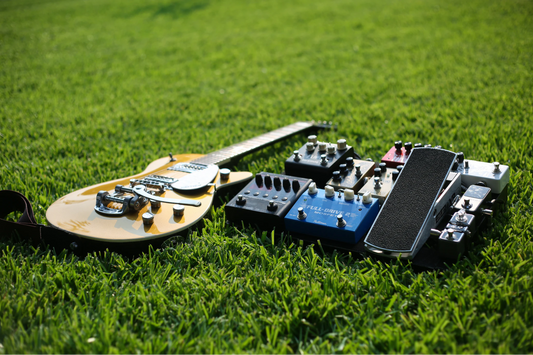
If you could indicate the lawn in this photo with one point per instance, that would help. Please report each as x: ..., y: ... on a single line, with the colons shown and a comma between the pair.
x: 95, y: 90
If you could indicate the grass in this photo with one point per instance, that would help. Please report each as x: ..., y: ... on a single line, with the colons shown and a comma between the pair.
x: 93, y: 90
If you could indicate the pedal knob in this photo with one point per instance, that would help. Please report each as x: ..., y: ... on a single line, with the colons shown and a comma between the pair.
x: 418, y: 145
x: 395, y: 174
x: 224, y: 174
x: 322, y: 147
x: 178, y: 210
x: 312, y: 139
x: 496, y: 167
x: 241, y: 201
x: 148, y: 218
x: 367, y: 197
x: 312, y: 188
x: 348, y: 194
x: 268, y: 181
x: 377, y: 172
x: 340, y: 221
x: 399, y: 168
x: 297, y: 155
x: 309, y: 146
x: 383, y: 167
x: 342, y: 168
x: 377, y: 183
x: 323, y: 160
x: 272, y: 206
x: 286, y: 184
x: 460, y: 157
x: 301, y: 213
x: 336, y: 175
x: 277, y: 183
x: 295, y: 186
x: 330, y: 191
x: 398, y: 146
x: 466, y: 203
x: 341, y: 144
x: 349, y: 162
x: 358, y: 170
x: 258, y: 180
x: 331, y: 149
x: 408, y: 146
x: 450, y: 233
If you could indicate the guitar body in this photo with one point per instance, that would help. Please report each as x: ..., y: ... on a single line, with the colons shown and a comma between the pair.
x: 76, y: 212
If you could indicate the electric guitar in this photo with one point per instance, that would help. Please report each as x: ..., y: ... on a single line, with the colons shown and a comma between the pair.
x: 171, y: 195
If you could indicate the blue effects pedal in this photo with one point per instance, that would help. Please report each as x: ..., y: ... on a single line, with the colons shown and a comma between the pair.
x: 340, y: 216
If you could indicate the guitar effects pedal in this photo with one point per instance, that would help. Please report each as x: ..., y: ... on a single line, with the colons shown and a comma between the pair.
x: 318, y: 160
x: 398, y: 154
x: 340, y: 216
x: 266, y: 200
x: 381, y: 184
x: 406, y: 218
x: 495, y: 175
x: 351, y: 175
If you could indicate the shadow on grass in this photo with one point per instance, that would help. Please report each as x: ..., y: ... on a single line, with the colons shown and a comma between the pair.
x: 173, y: 9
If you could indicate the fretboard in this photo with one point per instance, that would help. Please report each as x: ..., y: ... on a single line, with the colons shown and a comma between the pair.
x: 225, y: 155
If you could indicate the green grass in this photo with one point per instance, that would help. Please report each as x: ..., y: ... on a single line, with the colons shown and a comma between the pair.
x: 95, y: 90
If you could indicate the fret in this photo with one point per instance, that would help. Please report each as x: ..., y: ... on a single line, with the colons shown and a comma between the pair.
x: 225, y: 155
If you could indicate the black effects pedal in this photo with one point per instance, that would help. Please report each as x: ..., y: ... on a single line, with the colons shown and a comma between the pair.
x: 351, y: 174
x: 318, y: 160
x: 266, y: 200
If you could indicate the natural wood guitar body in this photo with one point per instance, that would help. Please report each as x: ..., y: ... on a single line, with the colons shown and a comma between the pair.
x: 75, y: 212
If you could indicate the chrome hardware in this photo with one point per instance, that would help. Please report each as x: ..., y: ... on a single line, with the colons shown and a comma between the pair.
x: 148, y: 218
x: 158, y: 182
x: 188, y: 167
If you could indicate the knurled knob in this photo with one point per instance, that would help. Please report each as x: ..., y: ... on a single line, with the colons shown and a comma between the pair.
x: 309, y: 146
x: 336, y: 175
x: 331, y: 149
x: 148, y: 218
x: 383, y: 168
x: 224, y: 174
x: 312, y: 139
x: 341, y: 144
x: 322, y: 147
x: 408, y: 146
x: 398, y: 146
x: 349, y: 162
x: 178, y: 210
x: 377, y: 172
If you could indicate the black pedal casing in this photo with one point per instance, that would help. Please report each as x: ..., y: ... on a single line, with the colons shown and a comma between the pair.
x: 352, y: 176
x: 266, y: 199
x: 309, y: 163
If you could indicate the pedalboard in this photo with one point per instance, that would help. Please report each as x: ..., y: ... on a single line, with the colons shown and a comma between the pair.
x: 266, y: 200
x: 326, y: 214
x: 318, y: 160
x: 352, y: 174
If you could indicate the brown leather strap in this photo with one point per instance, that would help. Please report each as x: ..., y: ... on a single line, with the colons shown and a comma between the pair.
x: 28, y: 228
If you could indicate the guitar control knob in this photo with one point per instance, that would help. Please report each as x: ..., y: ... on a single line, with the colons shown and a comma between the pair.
x: 312, y: 139
x: 286, y: 184
x: 272, y: 206
x: 336, y: 175
x: 398, y: 146
x: 408, y: 146
x: 312, y: 188
x: 309, y: 146
x: 331, y: 149
x: 297, y: 156
x: 383, y: 168
x: 148, y: 218
x: 155, y: 204
x: 340, y: 221
x: 395, y: 174
x: 341, y: 144
x: 277, y: 183
x: 178, y: 210
x: 322, y: 147
x: 329, y: 191
x: 224, y: 174
x: 301, y: 213
x: 259, y: 180
x: 348, y: 194
x: 367, y: 197
x: 241, y: 201
x: 349, y: 162
x: 323, y: 160
x: 268, y: 182
x: 295, y: 186
x: 377, y: 172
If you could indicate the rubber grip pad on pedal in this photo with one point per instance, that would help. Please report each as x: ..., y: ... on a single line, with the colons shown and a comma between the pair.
x: 402, y: 222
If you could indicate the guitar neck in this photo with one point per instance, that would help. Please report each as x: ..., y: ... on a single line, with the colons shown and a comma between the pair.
x: 236, y: 151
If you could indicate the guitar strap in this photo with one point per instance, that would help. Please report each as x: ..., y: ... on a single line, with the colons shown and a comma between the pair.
x: 28, y: 228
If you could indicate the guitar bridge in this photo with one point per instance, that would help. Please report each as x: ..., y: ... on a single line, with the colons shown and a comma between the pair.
x: 157, y: 182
